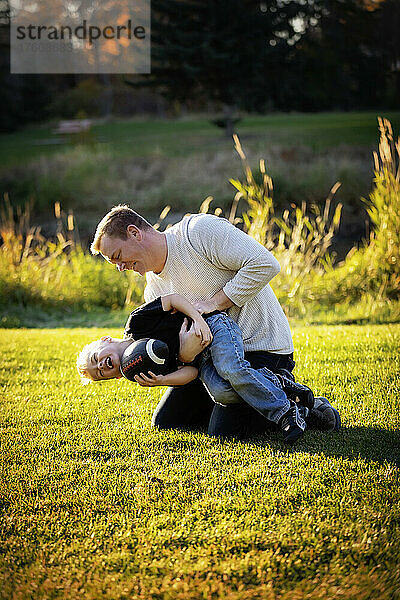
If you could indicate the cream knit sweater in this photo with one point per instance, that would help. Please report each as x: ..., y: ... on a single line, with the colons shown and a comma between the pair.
x: 207, y: 254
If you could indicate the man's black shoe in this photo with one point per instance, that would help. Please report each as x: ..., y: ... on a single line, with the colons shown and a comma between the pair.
x: 323, y: 416
x: 295, y: 390
x: 292, y: 425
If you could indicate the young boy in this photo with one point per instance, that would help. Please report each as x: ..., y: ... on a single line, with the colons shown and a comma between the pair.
x: 221, y: 366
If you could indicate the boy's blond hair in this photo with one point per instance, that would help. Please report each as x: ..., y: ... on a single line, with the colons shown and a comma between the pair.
x: 82, y: 361
x: 115, y: 223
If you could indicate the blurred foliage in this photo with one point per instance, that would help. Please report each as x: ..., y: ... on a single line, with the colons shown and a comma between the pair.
x: 373, y: 271
x: 369, y: 275
x: 59, y: 273
x: 153, y: 163
x: 56, y: 273
x: 328, y: 50
x: 83, y: 99
x: 257, y: 56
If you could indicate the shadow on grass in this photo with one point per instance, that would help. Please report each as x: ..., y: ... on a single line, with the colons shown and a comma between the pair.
x: 372, y: 444
x: 378, y: 445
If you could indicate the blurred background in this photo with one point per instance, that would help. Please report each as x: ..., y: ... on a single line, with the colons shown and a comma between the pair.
x: 301, y: 83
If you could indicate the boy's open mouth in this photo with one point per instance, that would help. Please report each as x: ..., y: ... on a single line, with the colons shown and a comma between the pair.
x: 109, y: 362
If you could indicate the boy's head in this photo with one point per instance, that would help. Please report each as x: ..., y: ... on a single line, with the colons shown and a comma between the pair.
x: 101, y: 359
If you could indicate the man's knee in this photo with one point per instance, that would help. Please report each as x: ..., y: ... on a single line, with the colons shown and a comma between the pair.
x: 163, y: 417
x: 185, y: 406
x: 239, y: 421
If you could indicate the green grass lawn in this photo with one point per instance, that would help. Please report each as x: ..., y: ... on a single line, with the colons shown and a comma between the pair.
x: 178, y: 137
x: 96, y: 504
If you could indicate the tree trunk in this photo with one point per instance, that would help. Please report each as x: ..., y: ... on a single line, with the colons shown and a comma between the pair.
x: 228, y: 118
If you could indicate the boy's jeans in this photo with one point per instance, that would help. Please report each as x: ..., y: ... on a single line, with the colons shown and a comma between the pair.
x: 227, y: 374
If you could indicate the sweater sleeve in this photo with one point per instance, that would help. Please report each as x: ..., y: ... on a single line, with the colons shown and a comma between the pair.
x: 227, y: 247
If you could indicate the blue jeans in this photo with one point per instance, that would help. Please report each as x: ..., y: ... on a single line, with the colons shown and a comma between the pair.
x: 229, y: 378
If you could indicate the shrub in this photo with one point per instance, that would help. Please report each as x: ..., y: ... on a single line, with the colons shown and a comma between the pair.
x: 309, y: 280
x: 56, y: 273
x: 299, y: 241
x: 85, y: 97
x: 373, y: 270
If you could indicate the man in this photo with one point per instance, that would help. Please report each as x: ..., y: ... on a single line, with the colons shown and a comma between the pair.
x: 217, y: 267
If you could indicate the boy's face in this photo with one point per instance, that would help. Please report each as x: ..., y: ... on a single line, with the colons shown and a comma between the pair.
x: 104, y: 360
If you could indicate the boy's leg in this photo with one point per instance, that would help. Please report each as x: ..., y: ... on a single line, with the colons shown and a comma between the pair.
x: 262, y: 391
x: 231, y: 416
x: 186, y: 406
x: 295, y: 391
x: 219, y: 389
x: 323, y: 416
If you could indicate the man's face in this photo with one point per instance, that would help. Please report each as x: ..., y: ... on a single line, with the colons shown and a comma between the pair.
x: 128, y: 254
x: 104, y: 361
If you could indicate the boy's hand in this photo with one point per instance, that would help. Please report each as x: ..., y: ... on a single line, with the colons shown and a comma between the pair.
x: 149, y: 380
x: 203, y: 332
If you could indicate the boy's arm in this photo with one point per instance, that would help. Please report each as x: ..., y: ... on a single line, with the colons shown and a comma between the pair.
x: 179, y: 303
x: 180, y: 377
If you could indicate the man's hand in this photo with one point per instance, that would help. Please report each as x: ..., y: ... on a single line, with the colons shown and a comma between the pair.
x: 190, y: 345
x: 219, y: 301
x: 205, y: 306
x: 149, y: 380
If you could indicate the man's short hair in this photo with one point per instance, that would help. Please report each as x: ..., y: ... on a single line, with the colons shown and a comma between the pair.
x: 115, y: 224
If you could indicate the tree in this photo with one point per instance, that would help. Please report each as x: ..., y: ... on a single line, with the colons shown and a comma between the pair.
x: 387, y: 39
x: 227, y: 53
x: 23, y: 98
x: 342, y: 61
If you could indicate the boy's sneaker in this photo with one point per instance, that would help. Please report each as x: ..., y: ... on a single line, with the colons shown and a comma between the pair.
x: 323, y: 416
x: 292, y: 425
x: 288, y: 374
x: 294, y: 390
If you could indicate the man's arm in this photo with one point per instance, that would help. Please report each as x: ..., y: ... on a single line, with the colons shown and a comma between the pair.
x: 219, y: 301
x: 226, y: 247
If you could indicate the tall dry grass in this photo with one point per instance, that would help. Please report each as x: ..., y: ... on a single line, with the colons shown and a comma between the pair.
x: 300, y: 241
x: 58, y: 272
x: 370, y: 274
x: 367, y: 282
x: 55, y: 272
x: 89, y: 180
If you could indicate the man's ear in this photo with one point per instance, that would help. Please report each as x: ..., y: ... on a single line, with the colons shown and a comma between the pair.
x: 134, y: 232
x: 106, y: 338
